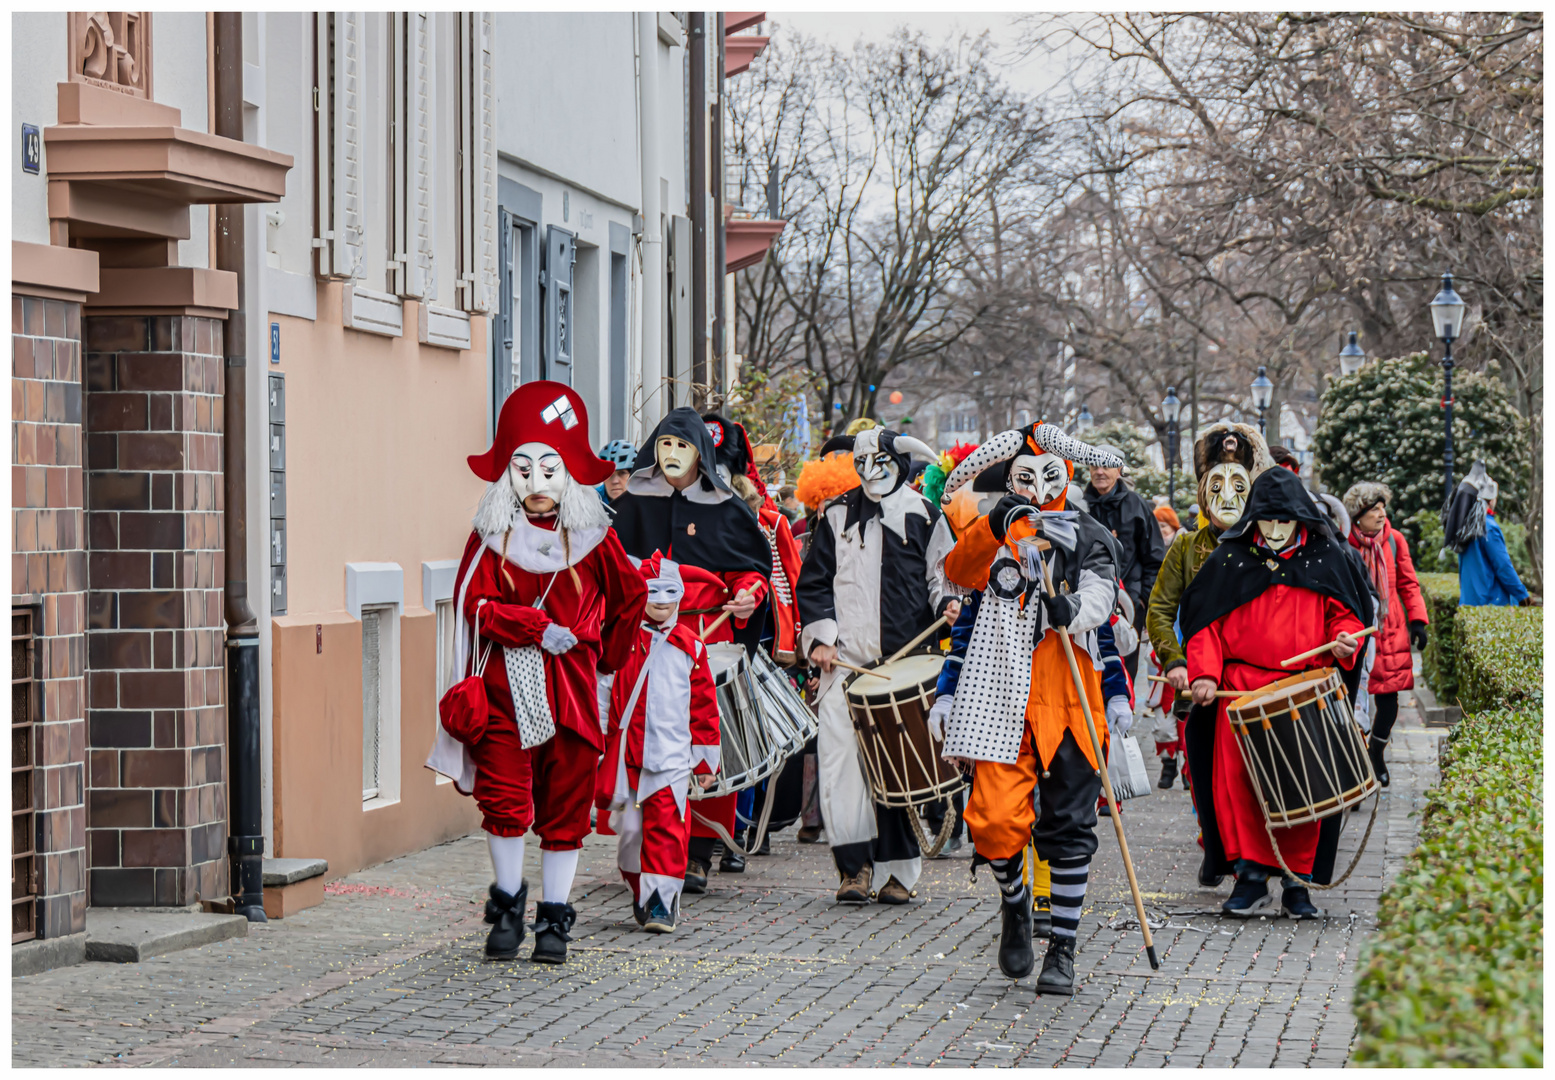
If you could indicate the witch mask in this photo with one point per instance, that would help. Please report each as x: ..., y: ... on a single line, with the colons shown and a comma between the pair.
x: 1225, y: 493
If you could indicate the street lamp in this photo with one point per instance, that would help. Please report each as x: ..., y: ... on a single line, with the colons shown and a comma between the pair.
x: 1263, y: 393
x: 1447, y: 314
x: 1171, y: 409
x: 1351, y: 357
x: 1085, y: 421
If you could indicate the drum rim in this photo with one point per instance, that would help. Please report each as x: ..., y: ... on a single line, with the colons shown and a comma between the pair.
x: 924, y: 650
x: 1316, y: 676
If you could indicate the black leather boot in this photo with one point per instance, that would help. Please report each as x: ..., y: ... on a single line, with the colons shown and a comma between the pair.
x: 1016, y: 958
x: 1042, y: 917
x: 1375, y: 749
x: 505, y: 913
x: 1057, y: 968
x: 1168, y: 773
x: 696, y: 876
x: 552, y: 921
x: 732, y: 861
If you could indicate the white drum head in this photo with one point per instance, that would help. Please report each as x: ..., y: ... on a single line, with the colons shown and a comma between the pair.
x: 904, y: 675
x: 723, y: 658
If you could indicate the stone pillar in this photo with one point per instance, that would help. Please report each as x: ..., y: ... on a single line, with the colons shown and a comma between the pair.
x: 48, y: 574
x: 156, y: 821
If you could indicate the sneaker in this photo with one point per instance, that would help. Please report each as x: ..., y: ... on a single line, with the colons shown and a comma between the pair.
x: 506, y: 915
x: 660, y: 919
x: 552, y: 921
x: 638, y: 912
x: 1168, y: 773
x: 855, y: 889
x: 1249, y: 898
x: 1103, y: 810
x: 1058, y: 968
x: 1296, y: 903
x: 696, y: 876
x: 1375, y: 749
x: 809, y: 834
x: 893, y: 892
x: 952, y: 846
x: 1042, y: 917
x: 1016, y: 958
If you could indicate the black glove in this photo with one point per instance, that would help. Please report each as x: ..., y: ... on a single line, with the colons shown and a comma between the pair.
x: 1061, y: 609
x: 1005, y: 511
x: 1417, y: 634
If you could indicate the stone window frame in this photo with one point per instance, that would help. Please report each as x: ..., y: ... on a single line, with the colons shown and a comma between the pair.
x: 382, y: 586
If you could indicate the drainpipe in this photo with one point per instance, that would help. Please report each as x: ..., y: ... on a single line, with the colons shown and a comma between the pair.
x: 245, y: 839
x: 700, y: 376
x: 720, y: 379
x: 651, y: 353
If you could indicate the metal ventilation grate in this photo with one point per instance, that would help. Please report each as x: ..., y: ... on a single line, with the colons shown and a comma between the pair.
x: 372, y: 699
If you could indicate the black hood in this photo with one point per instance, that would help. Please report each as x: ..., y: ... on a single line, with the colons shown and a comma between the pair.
x: 1277, y: 495
x: 684, y: 423
x: 732, y: 445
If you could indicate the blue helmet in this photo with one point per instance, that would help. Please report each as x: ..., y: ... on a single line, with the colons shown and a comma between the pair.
x: 619, y: 453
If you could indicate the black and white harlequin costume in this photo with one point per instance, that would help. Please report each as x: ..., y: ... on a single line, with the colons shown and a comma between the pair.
x: 872, y: 581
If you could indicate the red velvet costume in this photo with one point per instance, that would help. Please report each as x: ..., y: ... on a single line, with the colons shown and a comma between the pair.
x: 1242, y: 651
x: 548, y: 786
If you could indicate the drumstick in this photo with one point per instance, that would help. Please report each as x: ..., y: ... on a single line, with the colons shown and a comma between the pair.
x: 860, y: 670
x: 915, y: 642
x: 1218, y: 693
x: 716, y: 623
x: 1106, y: 781
x: 1310, y: 653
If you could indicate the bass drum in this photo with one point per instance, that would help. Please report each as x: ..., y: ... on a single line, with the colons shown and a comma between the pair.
x: 890, y: 711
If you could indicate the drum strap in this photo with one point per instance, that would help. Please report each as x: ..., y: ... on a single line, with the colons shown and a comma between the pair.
x: 931, y: 850
x: 761, y: 826
x: 1376, y: 800
x: 631, y: 707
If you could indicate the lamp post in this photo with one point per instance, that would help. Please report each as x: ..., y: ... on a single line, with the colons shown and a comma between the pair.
x: 1085, y: 421
x: 1447, y: 315
x: 1351, y: 357
x: 1171, y: 409
x: 1263, y: 393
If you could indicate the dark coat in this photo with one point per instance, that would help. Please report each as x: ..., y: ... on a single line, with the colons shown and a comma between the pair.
x: 1129, y: 518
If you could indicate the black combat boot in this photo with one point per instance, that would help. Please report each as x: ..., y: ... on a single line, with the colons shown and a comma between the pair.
x: 1168, y: 773
x: 506, y: 915
x: 1016, y: 958
x: 1057, y: 967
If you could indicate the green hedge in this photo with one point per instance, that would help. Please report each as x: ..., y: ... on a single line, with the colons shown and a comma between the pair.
x: 1441, y: 602
x: 1500, y: 655
x: 1454, y: 973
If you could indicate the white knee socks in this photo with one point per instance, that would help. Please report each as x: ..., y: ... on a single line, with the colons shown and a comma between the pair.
x: 558, y: 868
x: 507, y: 861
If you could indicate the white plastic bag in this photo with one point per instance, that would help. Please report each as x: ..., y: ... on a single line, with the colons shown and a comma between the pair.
x: 1126, y: 767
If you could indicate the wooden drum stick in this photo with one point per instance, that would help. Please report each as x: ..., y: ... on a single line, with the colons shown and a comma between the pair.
x: 1310, y: 653
x: 716, y: 623
x: 1218, y: 693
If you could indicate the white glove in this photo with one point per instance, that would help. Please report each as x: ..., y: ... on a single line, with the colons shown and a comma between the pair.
x: 557, y: 639
x: 1120, y: 714
x: 939, y: 716
x: 602, y: 684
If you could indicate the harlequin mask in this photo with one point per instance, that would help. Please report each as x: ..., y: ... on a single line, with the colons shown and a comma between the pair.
x: 539, y: 478
x: 1277, y: 534
x: 676, y: 457
x: 1225, y: 493
x: 1038, y: 477
x: 878, y: 471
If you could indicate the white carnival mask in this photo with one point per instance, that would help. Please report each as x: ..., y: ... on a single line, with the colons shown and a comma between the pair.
x: 878, y: 472
x: 676, y: 457
x: 1226, y: 489
x: 539, y: 478
x: 1277, y: 533
x: 1038, y: 477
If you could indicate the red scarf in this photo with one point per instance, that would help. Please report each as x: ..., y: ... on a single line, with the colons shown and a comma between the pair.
x: 1374, y: 555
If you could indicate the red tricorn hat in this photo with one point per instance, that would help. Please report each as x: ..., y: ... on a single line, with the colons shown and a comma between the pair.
x: 545, y: 412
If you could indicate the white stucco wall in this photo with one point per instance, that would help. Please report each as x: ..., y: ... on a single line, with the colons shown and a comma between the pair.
x: 40, y: 61
x: 178, y: 78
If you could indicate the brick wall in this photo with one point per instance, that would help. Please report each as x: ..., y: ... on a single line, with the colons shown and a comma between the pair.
x: 48, y: 572
x: 156, y: 819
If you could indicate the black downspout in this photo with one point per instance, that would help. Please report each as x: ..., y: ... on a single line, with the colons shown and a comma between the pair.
x: 700, y: 379
x: 720, y: 373
x: 245, y: 840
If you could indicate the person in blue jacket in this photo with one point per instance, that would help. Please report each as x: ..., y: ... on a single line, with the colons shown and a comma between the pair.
x: 1485, y: 572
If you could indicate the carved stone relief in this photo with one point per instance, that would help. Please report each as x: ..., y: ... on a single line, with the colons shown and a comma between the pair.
x: 112, y: 49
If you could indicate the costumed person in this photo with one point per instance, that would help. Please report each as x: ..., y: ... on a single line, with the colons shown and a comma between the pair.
x: 1116, y: 639
x: 544, y: 582
x: 1486, y: 575
x: 1017, y: 711
x: 621, y: 454
x: 871, y: 583
x: 1400, y: 609
x: 1278, y: 585
x: 678, y: 504
x: 1227, y: 458
x: 1112, y: 501
x: 663, y: 731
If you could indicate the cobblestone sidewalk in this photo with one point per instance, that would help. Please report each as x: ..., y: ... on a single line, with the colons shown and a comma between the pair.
x: 764, y: 969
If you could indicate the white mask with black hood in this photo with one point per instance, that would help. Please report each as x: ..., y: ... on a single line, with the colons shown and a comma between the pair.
x: 883, y: 460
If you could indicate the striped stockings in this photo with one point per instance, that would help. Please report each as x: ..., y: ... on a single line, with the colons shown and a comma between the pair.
x: 1069, y: 880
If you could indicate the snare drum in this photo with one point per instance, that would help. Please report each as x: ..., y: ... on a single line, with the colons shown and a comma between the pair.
x: 761, y: 720
x: 1303, y: 749
x: 891, y: 721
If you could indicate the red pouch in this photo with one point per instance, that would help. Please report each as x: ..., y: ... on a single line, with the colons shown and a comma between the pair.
x: 464, y: 710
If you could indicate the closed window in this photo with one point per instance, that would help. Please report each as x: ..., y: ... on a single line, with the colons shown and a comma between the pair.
x: 380, y: 703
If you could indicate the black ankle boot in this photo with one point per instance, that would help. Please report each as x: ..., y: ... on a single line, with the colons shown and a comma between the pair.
x: 1375, y: 748
x: 1015, y: 956
x: 552, y: 921
x: 1168, y: 773
x: 506, y: 915
x: 732, y: 861
x: 1057, y: 967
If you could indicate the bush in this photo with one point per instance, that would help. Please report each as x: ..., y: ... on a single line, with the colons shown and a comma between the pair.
x: 1441, y: 604
x: 1500, y: 657
x: 1453, y: 975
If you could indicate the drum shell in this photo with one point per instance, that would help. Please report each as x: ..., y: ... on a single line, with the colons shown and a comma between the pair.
x: 1304, y: 752
x: 901, y: 761
x: 759, y: 727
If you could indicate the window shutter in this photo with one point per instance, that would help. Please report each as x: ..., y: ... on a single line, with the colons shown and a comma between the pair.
x: 340, y: 143
x: 478, y: 181
x: 561, y: 254
x: 418, y: 156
